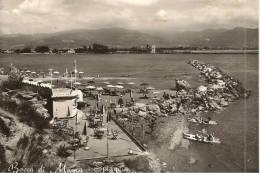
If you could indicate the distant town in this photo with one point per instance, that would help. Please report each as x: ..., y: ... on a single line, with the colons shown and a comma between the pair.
x: 142, y: 49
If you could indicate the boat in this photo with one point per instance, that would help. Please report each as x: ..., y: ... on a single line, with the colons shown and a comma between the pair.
x: 201, y: 138
x: 200, y: 121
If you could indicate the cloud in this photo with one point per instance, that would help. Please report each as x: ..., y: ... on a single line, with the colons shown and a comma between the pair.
x: 38, y: 6
x: 162, y: 15
x: 129, y: 2
x: 34, y: 16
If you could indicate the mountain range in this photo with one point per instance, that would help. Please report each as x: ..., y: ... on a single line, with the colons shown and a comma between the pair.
x: 118, y: 37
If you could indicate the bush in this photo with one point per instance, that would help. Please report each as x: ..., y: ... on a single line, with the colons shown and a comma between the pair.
x: 42, y: 49
x: 4, y: 129
x: 62, y: 151
x: 28, y: 114
x: 3, y: 162
x: 23, y: 142
x: 14, y: 80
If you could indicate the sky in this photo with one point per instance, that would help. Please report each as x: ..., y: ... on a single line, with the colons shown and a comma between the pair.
x: 47, y: 16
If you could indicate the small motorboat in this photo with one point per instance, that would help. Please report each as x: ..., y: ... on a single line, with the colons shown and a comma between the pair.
x: 201, y: 121
x: 210, y: 139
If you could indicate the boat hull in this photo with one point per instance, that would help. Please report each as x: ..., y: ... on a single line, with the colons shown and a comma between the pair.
x: 201, y: 139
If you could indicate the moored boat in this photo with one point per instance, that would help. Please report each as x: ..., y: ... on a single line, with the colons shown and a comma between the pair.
x: 200, y: 138
x: 201, y: 121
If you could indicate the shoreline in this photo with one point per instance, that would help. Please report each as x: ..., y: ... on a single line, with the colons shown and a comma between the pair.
x: 166, y: 51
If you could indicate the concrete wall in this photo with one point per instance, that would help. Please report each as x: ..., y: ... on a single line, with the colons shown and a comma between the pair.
x: 64, y: 107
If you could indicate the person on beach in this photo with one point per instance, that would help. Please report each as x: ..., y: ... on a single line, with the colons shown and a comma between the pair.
x: 210, y: 137
x: 197, y: 136
x: 132, y: 100
x: 121, y: 101
x: 109, y: 114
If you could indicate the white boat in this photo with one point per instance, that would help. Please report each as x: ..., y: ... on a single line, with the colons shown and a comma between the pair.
x: 195, y: 120
x: 201, y: 138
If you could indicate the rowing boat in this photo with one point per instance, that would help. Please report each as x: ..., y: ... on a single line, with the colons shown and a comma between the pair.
x: 201, y: 138
x: 194, y: 120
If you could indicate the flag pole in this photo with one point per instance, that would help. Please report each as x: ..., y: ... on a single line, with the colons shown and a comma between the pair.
x: 66, y: 73
x: 51, y: 76
x: 75, y: 69
x: 107, y: 137
x: 71, y: 81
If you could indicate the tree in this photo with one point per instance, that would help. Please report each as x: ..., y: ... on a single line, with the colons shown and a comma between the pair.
x: 26, y: 50
x: 42, y: 49
x: 98, y: 48
x: 17, y: 51
x: 55, y: 50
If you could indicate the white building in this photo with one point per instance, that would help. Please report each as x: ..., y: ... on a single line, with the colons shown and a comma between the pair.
x: 153, y: 50
x: 71, y: 51
x: 64, y: 102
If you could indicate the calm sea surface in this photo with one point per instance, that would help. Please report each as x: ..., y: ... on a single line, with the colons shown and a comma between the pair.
x: 238, y: 127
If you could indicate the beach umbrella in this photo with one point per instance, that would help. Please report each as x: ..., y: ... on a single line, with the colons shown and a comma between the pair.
x: 119, y: 86
x: 150, y: 88
x: 120, y: 83
x: 144, y: 84
x: 99, y: 89
x: 33, y: 72
x: 28, y: 71
x: 90, y: 87
x: 156, y: 92
x: 131, y: 93
x: 56, y: 72
x: 77, y: 83
x: 84, y: 132
x: 131, y: 83
x: 81, y: 72
x: 39, y: 81
x: 106, y: 82
x: 110, y: 86
x: 91, y: 82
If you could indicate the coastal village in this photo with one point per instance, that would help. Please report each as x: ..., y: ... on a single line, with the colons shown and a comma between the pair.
x: 99, y: 124
x: 138, y: 49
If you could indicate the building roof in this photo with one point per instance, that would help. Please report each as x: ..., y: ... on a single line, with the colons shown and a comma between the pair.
x: 63, y: 92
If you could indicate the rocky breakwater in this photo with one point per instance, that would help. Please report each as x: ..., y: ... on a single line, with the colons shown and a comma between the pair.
x: 220, y: 88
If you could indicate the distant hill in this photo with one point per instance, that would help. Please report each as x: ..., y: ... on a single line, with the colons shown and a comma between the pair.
x: 236, y: 38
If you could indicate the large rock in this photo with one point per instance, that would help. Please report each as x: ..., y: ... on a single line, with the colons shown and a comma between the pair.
x: 42, y: 113
x: 143, y: 109
x: 182, y: 85
x: 174, y: 108
x: 202, y: 89
x: 121, y: 110
x: 223, y: 102
x: 142, y: 114
x: 214, y: 105
x: 144, y: 163
x: 154, y: 108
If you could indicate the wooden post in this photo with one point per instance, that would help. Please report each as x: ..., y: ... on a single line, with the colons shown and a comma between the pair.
x: 132, y: 122
x: 107, y: 139
x: 76, y: 121
x: 142, y: 131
